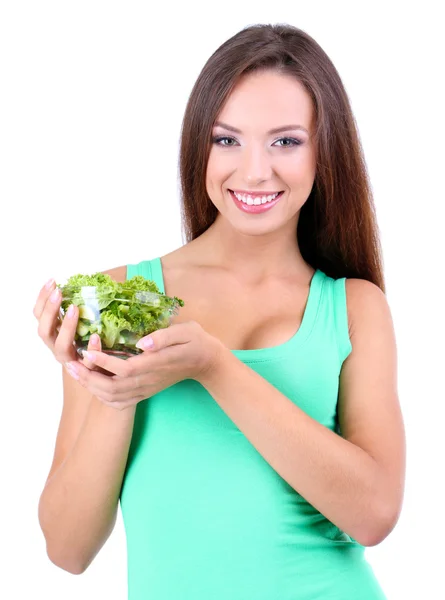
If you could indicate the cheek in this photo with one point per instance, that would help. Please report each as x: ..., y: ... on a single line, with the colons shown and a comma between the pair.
x: 309, y: 162
x: 300, y: 172
x: 217, y: 173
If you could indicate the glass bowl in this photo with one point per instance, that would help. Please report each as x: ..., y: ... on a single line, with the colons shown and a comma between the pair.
x: 120, y: 321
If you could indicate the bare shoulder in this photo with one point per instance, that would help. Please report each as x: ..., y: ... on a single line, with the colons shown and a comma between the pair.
x: 366, y: 302
x: 372, y: 334
x: 119, y: 274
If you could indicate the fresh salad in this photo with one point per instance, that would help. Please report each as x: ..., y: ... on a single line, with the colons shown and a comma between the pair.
x: 120, y: 313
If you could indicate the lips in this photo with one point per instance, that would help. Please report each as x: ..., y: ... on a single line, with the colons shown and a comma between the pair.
x: 255, y: 208
x: 254, y: 194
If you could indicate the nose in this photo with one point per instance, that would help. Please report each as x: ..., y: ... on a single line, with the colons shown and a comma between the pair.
x: 256, y: 166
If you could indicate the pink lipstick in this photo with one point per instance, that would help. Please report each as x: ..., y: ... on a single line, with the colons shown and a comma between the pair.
x: 255, y: 208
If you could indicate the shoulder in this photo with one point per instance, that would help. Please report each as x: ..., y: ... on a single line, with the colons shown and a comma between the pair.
x: 119, y: 274
x: 367, y: 305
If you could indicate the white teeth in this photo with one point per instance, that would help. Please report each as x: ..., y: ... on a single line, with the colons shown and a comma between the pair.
x: 256, y: 200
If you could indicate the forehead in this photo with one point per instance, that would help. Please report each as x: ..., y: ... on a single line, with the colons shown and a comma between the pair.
x: 266, y: 100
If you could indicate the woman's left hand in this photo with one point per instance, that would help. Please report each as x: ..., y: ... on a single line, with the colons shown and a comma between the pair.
x: 180, y: 351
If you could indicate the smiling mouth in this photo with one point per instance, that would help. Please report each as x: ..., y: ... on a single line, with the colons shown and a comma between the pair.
x: 256, y: 199
x: 247, y: 205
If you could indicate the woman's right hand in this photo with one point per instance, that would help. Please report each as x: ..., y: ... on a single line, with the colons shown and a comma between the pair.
x: 59, y: 335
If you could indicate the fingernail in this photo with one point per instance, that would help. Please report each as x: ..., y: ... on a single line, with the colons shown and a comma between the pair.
x: 55, y: 295
x: 145, y: 343
x: 70, y: 312
x: 49, y: 283
x: 72, y: 370
x: 94, y: 339
x: 89, y: 355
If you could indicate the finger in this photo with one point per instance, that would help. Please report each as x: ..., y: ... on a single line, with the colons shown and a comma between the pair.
x: 179, y: 333
x: 64, y: 349
x: 79, y: 372
x: 43, y: 296
x: 49, y: 318
x: 123, y: 368
x: 105, y: 387
x: 94, y: 343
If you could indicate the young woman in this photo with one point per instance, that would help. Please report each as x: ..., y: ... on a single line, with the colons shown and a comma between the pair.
x: 257, y: 447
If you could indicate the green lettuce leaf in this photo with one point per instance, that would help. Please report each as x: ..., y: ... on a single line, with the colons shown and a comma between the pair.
x: 118, y: 312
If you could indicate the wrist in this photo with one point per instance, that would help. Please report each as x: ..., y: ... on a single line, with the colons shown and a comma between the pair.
x: 216, y: 367
x: 116, y: 414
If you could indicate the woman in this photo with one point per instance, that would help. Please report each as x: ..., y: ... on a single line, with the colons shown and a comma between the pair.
x: 257, y: 446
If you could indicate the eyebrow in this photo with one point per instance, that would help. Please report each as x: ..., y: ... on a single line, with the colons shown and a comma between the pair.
x: 275, y: 130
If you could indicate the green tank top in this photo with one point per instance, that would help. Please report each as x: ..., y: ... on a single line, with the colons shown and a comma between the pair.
x: 206, y: 517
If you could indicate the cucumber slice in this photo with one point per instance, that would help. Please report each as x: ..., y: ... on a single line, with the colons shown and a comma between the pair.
x: 87, y: 312
x: 82, y: 329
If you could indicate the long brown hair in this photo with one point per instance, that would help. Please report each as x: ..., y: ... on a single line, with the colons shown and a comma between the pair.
x: 337, y: 230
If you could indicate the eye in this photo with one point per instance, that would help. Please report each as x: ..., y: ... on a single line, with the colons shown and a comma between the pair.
x: 293, y: 141
x: 218, y: 139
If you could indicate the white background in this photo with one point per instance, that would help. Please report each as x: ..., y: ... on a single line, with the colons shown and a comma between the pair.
x: 92, y: 98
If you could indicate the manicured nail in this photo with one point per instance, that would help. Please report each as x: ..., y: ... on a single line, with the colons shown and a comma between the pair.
x: 94, y: 339
x: 89, y: 356
x: 55, y: 295
x: 145, y: 343
x: 72, y: 370
x: 70, y: 311
x: 49, y: 283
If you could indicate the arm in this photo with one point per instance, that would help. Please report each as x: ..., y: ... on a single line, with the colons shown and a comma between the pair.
x: 78, y: 506
x: 356, y: 480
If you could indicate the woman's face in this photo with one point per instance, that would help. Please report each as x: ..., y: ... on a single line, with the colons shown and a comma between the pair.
x: 257, y: 160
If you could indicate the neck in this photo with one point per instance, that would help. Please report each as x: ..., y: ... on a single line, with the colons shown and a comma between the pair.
x: 252, y: 258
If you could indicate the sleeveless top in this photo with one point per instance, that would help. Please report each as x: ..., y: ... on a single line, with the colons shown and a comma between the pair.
x: 205, y: 515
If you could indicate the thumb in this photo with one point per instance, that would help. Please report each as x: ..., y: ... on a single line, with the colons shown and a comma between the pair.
x: 179, y: 333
